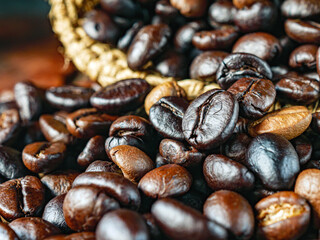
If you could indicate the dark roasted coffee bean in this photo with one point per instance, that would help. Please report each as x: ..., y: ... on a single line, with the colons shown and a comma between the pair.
x: 241, y: 125
x: 301, y: 9
x: 236, y: 147
x: 303, y: 148
x: 232, y: 211
x: 303, y: 31
x: 103, y: 166
x: 255, y: 96
x: 240, y: 65
x: 121, y: 97
x: 318, y: 61
x: 153, y: 229
x: 192, y: 199
x: 21, y: 197
x: 74, y: 236
x: 172, y: 64
x: 99, y: 26
x: 274, y: 161
x: 33, y: 228
x: 69, y: 98
x: 166, y: 116
x: 165, y: 9
x: 285, y: 211
x: 9, y: 126
x: 43, y: 157
x: 94, y: 150
x: 171, y: 217
x: 147, y: 44
x: 315, y: 124
x: 126, y: 40
x: 304, y: 57
x: 124, y: 8
x: 160, y: 161
x: 122, y: 224
x: 221, y: 12
x: 31, y: 132
x: 6, y: 233
x: 190, y: 8
x: 88, y: 122
x: 210, y: 119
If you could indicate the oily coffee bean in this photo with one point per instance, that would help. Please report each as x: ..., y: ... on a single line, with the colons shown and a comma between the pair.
x: 240, y: 65
x: 115, y: 185
x: 21, y: 197
x: 303, y: 31
x: 124, y: 8
x: 166, y: 116
x: 9, y: 126
x: 33, y: 228
x: 231, y: 211
x: 103, y: 166
x: 153, y: 229
x: 172, y: 64
x: 273, y: 160
x: 6, y: 233
x: 121, y: 97
x: 288, y: 122
x: 190, y: 8
x: 222, y: 12
x: 179, y: 153
x: 165, y: 9
x: 304, y: 57
x: 210, y: 119
x: 221, y: 172
x: 126, y: 40
x: 166, y: 181
x: 43, y: 157
x: 122, y: 224
x: 301, y: 8
x: 205, y: 65
x: 74, y: 236
x: 255, y: 96
x: 303, y: 148
x: 236, y: 147
x: 133, y: 163
x: 283, y: 215
x: 88, y: 122
x: 100, y: 26
x: 147, y: 44
x: 94, y: 150
x: 171, y: 217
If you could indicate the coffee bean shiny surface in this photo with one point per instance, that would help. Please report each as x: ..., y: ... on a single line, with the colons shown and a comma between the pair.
x: 103, y: 166
x: 172, y: 64
x: 221, y: 12
x: 94, y: 150
x: 9, y: 126
x: 301, y: 8
x: 190, y: 8
x: 236, y: 147
x: 303, y: 31
x: 6, y: 233
x: 304, y: 57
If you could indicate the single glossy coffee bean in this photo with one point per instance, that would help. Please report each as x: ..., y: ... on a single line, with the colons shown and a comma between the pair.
x: 122, y: 224
x: 59, y: 182
x: 240, y: 65
x: 55, y: 130
x: 171, y: 217
x: 124, y: 8
x: 315, y: 124
x: 6, y: 233
x: 94, y: 150
x: 125, y: 41
x: 103, y: 166
x: 273, y: 159
x: 283, y: 215
x: 21, y: 197
x: 210, y: 119
x: 236, y: 147
x: 122, y: 96
x: 88, y: 122
x: 288, y: 122
x: 43, y: 157
x: 303, y: 31
x: 166, y: 181
x: 304, y: 57
x: 301, y: 9
x: 255, y: 96
x: 9, y: 126
x: 205, y: 65
x: 172, y: 64
x: 33, y: 228
x: 221, y: 172
x: 190, y: 8
x: 166, y: 89
x: 115, y: 185
x: 303, y: 148
x: 222, y: 12
x: 147, y: 44
x: 28, y: 99
x: 99, y: 26
x: 215, y: 39
x: 166, y: 116
x: 74, y: 236
x: 84, y: 206
x: 231, y: 211
x: 133, y: 163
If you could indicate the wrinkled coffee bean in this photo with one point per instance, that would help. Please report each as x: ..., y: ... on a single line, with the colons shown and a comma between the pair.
x: 103, y: 166
x: 236, y: 147
x: 304, y: 57
x: 94, y: 150
x: 9, y: 126
x: 6, y: 233
x: 190, y: 8
x: 303, y: 31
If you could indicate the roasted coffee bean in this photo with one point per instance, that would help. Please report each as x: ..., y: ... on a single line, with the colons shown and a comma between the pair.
x: 9, y: 126
x: 126, y: 40
x: 147, y: 44
x: 43, y: 157
x: 244, y: 3
x: 273, y: 160
x: 179, y: 153
x: 303, y: 148
x: 88, y: 122
x: 166, y: 116
x: 6, y: 233
x: 301, y: 9
x: 221, y: 172
x: 240, y: 65
x: 153, y: 229
x: 122, y: 224
x: 100, y: 26
x: 124, y: 8
x: 192, y: 199
x: 172, y: 64
x: 33, y: 228
x: 121, y: 97
x: 31, y: 132
x: 241, y: 125
x: 133, y: 163
x: 171, y: 217
x: 221, y: 12
x: 21, y: 197
x: 288, y: 122
x: 166, y: 181
x: 255, y: 96
x: 103, y: 166
x: 303, y: 31
x: 318, y: 61
x: 74, y: 236
x: 69, y: 98
x: 94, y: 150
x: 313, y: 75
x: 84, y: 206
x: 59, y: 182
x: 165, y: 9
x: 160, y: 161
x: 215, y: 39
x: 190, y: 8
x: 315, y: 124
x: 210, y: 119
x: 114, y: 185
x: 304, y: 57
x: 236, y: 147
x: 205, y: 65
x: 231, y: 211
x: 283, y: 215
